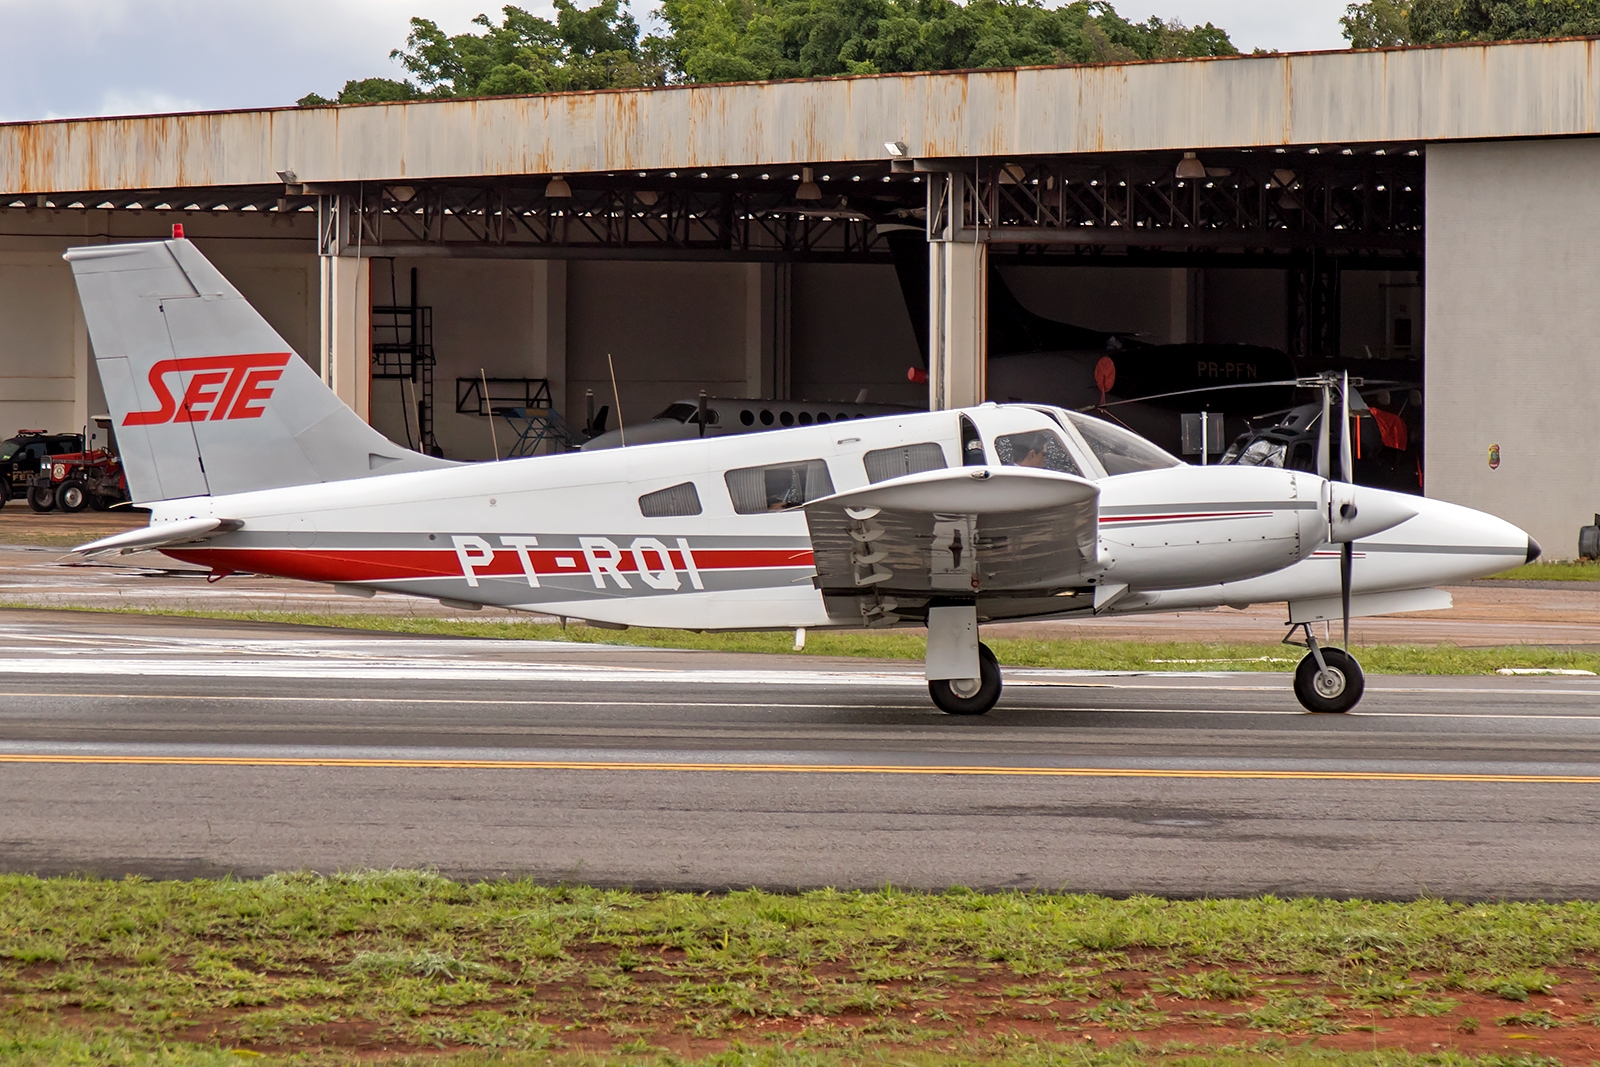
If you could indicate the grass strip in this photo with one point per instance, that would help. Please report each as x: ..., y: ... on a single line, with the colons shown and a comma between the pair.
x: 55, y: 1047
x: 1067, y: 654
x: 136, y: 972
x: 1577, y: 570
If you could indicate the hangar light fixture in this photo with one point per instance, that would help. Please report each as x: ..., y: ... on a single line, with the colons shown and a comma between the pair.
x: 1190, y: 167
x: 558, y: 189
x: 808, y: 187
x: 288, y: 177
x: 896, y: 149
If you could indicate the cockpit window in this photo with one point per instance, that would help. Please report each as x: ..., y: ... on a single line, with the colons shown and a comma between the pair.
x: 1041, y: 449
x: 1120, y: 451
x: 680, y: 412
x: 779, y: 487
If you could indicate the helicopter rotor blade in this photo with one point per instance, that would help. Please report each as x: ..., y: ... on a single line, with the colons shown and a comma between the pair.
x: 1322, y: 433
x: 1189, y: 392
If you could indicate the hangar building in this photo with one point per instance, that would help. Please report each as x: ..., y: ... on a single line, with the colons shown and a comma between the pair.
x: 1434, y: 209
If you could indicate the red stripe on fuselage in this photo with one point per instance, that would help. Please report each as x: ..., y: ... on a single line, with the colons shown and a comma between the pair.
x: 409, y: 564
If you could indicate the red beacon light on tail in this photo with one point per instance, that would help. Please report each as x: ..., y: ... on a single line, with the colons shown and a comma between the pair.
x: 177, y: 231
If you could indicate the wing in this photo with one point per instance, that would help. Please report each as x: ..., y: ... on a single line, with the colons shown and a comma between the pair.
x: 1009, y: 538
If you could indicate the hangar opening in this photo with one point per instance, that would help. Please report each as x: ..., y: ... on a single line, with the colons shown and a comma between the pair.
x: 1052, y: 239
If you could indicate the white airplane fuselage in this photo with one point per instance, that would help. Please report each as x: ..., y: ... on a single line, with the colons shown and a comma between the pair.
x: 567, y: 534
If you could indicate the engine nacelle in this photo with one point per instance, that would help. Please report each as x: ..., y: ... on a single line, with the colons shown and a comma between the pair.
x: 1357, y: 511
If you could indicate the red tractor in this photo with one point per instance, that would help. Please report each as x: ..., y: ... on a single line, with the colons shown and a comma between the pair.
x: 78, y: 480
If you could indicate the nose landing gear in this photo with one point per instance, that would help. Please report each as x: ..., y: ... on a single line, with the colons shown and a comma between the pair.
x: 1327, y: 680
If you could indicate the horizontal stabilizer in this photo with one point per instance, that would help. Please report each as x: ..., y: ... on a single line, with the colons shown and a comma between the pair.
x: 159, y: 535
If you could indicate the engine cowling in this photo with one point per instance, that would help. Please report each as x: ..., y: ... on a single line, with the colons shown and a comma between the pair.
x: 1357, y: 511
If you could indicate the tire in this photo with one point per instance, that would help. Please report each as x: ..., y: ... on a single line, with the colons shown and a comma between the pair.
x: 952, y: 702
x: 42, y: 498
x: 5, y: 491
x: 1337, y: 698
x: 100, y: 502
x: 72, y: 496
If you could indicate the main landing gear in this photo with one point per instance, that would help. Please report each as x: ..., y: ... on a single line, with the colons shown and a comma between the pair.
x: 969, y: 696
x: 1328, y: 680
x: 963, y: 674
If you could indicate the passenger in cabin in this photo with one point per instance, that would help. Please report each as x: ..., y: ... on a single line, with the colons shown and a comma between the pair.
x: 1041, y: 450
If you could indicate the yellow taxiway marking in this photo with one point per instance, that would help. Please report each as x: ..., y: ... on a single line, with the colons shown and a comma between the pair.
x: 783, y: 768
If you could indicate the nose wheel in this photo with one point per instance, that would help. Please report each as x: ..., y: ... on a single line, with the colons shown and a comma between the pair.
x: 1328, y: 680
x: 970, y: 696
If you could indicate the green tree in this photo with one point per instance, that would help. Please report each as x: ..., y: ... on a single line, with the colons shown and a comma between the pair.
x: 1375, y: 23
x: 366, y: 91
x: 726, y: 40
x: 744, y: 40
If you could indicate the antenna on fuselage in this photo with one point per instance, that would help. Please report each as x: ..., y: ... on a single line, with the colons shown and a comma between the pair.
x: 622, y: 430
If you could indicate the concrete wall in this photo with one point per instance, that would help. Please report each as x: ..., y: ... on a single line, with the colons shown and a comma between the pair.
x: 501, y: 318
x: 670, y: 330
x: 1513, y: 333
x: 851, y: 331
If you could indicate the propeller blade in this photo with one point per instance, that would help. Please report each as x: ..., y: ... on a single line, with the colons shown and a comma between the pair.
x: 1347, y: 561
x: 1322, y: 434
x: 1346, y: 464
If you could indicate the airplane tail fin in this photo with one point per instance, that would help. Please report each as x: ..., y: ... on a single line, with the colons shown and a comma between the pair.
x: 205, y: 397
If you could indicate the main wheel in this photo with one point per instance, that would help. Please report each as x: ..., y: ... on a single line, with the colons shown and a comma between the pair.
x: 41, y: 498
x: 72, y: 496
x: 970, y: 696
x: 1337, y: 690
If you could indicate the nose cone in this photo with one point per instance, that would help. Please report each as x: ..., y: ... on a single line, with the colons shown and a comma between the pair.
x: 1534, y: 551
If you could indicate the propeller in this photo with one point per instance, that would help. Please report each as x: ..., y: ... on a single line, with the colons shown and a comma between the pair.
x: 1347, y: 507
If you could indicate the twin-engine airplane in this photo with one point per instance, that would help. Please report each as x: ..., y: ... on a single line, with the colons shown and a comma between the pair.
x: 948, y: 519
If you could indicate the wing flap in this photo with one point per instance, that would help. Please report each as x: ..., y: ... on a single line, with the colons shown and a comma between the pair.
x: 885, y: 550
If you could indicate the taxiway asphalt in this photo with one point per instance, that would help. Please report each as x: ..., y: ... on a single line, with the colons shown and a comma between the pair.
x: 175, y: 747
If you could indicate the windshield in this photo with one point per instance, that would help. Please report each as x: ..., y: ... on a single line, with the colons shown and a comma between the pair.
x: 679, y: 412
x: 9, y: 450
x: 1120, y: 451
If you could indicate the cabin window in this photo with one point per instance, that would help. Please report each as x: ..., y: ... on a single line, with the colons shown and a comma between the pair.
x: 786, y: 417
x: 1041, y: 449
x: 672, y: 502
x: 823, y: 416
x: 1120, y: 451
x: 747, y: 417
x: 885, y: 463
x: 766, y: 417
x: 778, y: 487
x: 805, y: 418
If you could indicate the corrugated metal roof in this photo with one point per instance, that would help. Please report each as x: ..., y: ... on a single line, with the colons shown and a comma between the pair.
x: 1510, y: 89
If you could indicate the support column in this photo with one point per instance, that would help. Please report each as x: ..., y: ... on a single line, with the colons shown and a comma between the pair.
x: 958, y: 299
x: 80, y: 374
x: 766, y: 330
x: 345, y: 344
x: 551, y: 298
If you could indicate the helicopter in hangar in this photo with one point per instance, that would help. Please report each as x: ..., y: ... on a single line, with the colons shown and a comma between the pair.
x: 945, y: 519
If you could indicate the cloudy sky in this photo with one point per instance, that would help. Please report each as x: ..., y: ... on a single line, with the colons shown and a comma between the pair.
x: 61, y: 58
